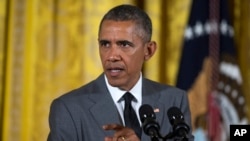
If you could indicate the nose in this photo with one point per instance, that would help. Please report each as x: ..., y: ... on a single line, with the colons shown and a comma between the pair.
x: 114, y: 54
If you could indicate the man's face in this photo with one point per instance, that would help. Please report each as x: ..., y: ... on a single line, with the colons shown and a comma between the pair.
x: 122, y: 52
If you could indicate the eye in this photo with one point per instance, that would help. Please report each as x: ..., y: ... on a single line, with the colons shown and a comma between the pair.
x: 104, y: 43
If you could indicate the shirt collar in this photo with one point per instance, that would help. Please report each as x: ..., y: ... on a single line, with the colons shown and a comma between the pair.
x: 117, y: 93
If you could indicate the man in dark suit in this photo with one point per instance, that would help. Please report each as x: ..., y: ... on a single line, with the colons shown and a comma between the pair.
x: 96, y: 111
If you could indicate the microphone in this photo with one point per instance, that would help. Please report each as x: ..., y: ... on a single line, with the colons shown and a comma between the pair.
x: 176, y: 118
x: 149, y: 124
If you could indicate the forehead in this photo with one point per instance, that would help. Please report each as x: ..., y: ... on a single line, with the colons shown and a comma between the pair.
x: 115, y: 28
x: 110, y: 25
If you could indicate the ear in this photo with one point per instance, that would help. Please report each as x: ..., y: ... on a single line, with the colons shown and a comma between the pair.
x: 149, y: 50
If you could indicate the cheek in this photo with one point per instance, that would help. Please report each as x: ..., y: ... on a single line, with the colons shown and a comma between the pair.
x: 102, y: 53
x: 136, y: 62
x: 102, y: 57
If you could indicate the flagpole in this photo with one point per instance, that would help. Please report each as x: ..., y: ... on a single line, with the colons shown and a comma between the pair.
x: 214, y: 52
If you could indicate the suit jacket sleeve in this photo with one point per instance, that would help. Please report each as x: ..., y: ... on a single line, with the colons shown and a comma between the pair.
x: 61, y: 124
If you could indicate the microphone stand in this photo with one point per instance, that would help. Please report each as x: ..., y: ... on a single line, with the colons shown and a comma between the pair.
x: 168, y: 136
x: 154, y: 139
x: 155, y: 135
x: 180, y: 132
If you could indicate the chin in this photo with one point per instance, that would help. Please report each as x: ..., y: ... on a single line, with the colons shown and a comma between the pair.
x: 116, y: 83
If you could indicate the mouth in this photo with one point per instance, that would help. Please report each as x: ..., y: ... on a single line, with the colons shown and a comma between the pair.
x: 114, y: 71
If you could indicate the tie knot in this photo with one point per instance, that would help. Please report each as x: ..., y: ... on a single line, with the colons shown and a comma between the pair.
x: 128, y: 97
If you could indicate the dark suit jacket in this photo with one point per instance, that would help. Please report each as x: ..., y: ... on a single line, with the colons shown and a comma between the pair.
x: 80, y: 114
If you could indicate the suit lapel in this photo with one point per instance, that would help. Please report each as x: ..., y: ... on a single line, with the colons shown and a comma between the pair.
x: 151, y: 96
x: 104, y: 110
x: 153, y: 101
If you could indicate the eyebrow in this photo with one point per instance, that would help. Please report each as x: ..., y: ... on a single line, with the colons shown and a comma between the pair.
x: 125, y: 41
x: 103, y: 41
x: 117, y: 42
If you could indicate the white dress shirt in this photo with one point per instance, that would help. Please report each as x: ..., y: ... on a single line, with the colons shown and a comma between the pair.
x: 117, y: 94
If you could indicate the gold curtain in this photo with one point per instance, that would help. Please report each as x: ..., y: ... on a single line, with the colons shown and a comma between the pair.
x: 241, y: 20
x: 48, y: 47
x: 169, y: 20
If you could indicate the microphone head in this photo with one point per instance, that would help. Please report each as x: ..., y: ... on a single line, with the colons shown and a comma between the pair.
x: 148, y: 119
x: 174, y: 114
x: 176, y: 118
x: 146, y: 111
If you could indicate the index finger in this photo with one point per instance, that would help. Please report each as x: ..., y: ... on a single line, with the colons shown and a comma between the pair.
x: 112, y: 127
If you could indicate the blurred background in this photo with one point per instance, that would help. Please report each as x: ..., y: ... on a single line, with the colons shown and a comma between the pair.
x: 49, y: 47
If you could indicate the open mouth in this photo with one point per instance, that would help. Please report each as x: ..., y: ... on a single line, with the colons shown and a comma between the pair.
x: 114, y: 71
